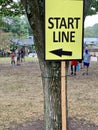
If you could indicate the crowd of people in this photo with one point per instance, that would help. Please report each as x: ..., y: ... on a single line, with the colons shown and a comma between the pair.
x: 82, y: 64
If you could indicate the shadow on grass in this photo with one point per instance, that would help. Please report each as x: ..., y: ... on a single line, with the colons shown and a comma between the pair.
x: 34, y: 125
x: 73, y: 124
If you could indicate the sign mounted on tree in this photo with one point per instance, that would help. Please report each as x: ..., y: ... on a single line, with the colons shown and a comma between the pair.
x: 63, y: 29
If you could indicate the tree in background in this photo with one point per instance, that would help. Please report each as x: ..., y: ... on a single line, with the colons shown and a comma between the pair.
x: 2, y: 23
x: 91, y: 31
x: 18, y: 25
x: 50, y: 70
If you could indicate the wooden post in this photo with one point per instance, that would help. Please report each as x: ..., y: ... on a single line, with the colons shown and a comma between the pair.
x: 63, y: 95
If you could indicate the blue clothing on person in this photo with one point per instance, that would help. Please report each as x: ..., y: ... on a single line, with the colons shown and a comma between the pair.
x: 86, y: 58
x: 86, y: 61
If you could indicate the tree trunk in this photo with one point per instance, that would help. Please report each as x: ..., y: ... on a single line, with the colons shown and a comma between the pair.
x: 51, y: 71
x: 52, y: 91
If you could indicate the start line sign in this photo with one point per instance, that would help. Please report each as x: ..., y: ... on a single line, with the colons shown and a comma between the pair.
x: 63, y: 29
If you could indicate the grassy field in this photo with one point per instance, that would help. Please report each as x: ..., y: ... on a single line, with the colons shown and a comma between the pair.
x: 83, y: 96
x: 21, y: 96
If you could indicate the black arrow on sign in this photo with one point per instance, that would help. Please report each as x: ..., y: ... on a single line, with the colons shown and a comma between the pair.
x: 60, y: 52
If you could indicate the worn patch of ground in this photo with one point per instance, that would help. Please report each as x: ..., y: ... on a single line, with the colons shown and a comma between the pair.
x: 21, y: 94
x: 21, y: 98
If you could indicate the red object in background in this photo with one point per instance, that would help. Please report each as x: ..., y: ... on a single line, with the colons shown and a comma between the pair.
x: 12, y: 56
x: 74, y: 62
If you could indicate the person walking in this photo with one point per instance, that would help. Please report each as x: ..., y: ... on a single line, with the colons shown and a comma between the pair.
x: 86, y: 62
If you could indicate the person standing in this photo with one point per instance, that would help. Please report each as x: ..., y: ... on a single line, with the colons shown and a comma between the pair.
x: 13, y: 58
x: 86, y: 62
x: 81, y: 65
x: 22, y: 55
x: 18, y: 57
x: 74, y: 64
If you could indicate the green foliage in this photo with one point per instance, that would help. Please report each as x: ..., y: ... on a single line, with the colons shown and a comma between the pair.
x: 91, y: 31
x: 2, y: 23
x: 13, y: 11
x: 17, y: 25
x: 12, y: 47
x: 11, y: 8
x: 94, y: 7
x: 31, y: 47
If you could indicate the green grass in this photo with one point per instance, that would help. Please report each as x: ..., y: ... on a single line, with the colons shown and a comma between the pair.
x: 30, y: 58
x: 2, y: 59
x: 7, y: 59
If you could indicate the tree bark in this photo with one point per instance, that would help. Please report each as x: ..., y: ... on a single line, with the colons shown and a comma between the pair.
x: 52, y: 91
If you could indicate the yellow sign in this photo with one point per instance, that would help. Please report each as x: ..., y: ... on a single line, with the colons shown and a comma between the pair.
x: 63, y: 29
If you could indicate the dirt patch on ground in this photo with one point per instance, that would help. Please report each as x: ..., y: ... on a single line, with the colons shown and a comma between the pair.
x: 34, y: 125
x: 72, y: 125
x: 21, y: 98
